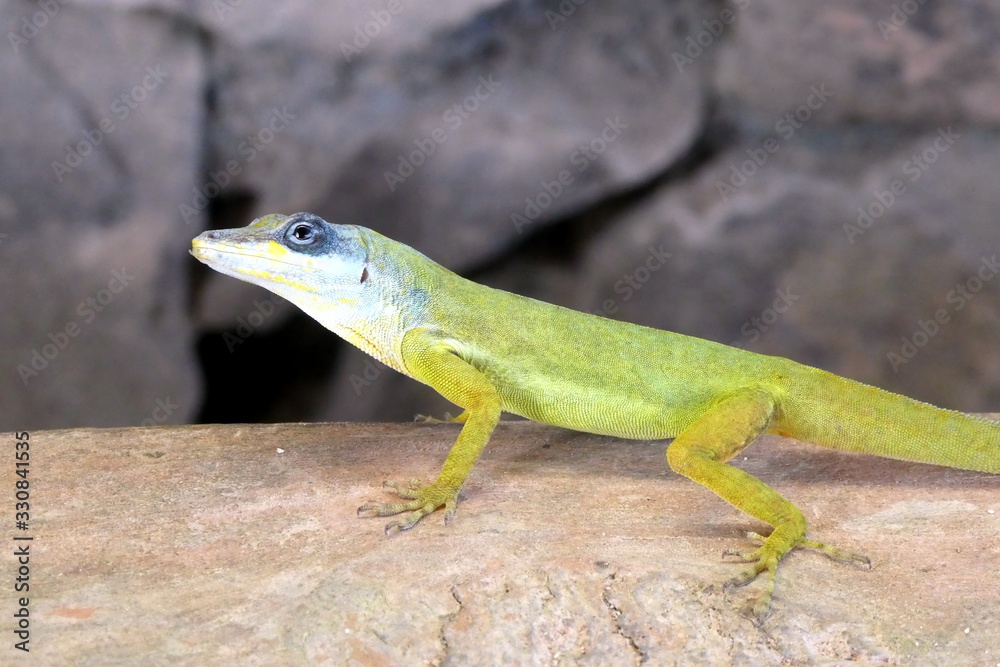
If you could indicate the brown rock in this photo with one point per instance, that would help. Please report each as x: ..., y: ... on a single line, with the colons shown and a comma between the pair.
x: 226, y: 544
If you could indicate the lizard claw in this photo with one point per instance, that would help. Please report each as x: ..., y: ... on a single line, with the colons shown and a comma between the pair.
x: 422, y: 501
x: 838, y: 555
x: 765, y: 559
x: 747, y: 556
x: 407, y: 522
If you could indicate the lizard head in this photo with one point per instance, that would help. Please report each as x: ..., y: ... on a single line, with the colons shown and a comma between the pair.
x: 299, y: 256
x: 354, y: 281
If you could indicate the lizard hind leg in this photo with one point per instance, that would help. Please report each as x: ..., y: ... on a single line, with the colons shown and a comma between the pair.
x: 700, y: 452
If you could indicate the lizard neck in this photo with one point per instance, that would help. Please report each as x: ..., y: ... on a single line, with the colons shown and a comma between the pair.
x: 393, y: 301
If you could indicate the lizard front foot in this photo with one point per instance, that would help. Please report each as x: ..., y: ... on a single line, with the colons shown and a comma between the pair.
x: 422, y: 501
x: 765, y: 559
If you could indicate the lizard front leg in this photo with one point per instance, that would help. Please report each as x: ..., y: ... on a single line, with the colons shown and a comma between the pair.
x: 700, y: 453
x: 432, y: 361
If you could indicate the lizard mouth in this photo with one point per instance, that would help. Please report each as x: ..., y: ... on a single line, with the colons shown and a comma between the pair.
x: 202, y: 250
x: 259, y: 263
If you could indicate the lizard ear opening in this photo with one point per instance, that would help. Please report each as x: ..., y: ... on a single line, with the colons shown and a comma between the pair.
x: 364, y: 274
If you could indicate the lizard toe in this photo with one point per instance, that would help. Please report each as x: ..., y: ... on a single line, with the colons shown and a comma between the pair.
x: 422, y: 501
x: 409, y: 491
x: 837, y: 554
x: 372, y: 508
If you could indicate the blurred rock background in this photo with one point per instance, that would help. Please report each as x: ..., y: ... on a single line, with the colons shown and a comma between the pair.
x: 816, y: 180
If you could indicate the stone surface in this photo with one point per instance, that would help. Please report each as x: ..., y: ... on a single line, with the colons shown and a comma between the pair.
x: 240, y: 545
x: 99, y: 143
x: 441, y: 97
x: 296, y: 109
x: 310, y: 105
x: 908, y: 62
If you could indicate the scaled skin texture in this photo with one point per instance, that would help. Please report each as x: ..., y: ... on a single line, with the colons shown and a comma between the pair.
x: 490, y: 351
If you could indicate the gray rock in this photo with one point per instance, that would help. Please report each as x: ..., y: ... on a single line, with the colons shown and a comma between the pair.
x: 96, y: 152
x: 441, y: 128
x: 783, y: 266
x: 910, y: 61
x: 309, y: 106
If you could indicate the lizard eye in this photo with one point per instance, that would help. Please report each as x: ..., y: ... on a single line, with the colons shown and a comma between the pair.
x: 310, y: 235
x: 302, y: 233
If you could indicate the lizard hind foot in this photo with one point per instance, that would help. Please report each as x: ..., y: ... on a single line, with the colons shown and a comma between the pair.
x: 766, y: 558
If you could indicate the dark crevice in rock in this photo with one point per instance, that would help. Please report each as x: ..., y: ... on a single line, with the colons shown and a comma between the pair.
x: 187, y: 25
x: 641, y: 655
x: 250, y: 375
x: 449, y: 619
x: 265, y: 376
x: 480, y: 40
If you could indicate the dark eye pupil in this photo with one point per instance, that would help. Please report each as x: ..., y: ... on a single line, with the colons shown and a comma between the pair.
x: 303, y: 232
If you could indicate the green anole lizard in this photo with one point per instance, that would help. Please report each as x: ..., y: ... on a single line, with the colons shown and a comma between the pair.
x: 490, y: 351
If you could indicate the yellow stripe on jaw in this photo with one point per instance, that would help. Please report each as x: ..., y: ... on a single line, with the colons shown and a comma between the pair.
x: 278, y: 278
x: 274, y: 251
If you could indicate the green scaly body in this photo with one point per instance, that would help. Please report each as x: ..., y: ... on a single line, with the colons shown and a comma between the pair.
x: 490, y: 351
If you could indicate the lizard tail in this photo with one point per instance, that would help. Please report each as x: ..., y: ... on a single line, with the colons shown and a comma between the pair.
x: 836, y: 412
